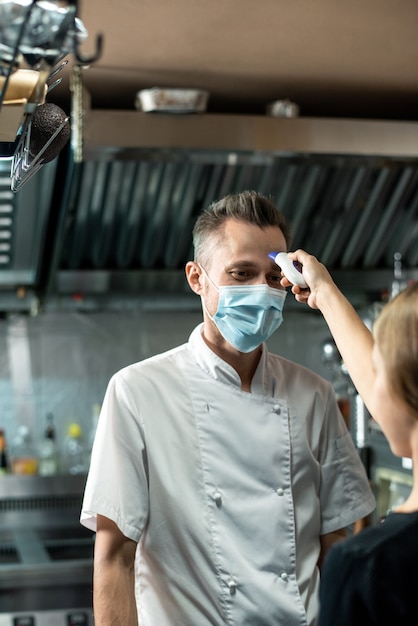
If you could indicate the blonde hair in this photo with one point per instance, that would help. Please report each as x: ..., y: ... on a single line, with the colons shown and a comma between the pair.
x: 396, y: 335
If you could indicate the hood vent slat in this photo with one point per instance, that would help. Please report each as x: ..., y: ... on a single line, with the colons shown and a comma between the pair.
x: 366, y: 219
x: 137, y: 215
x: 389, y: 215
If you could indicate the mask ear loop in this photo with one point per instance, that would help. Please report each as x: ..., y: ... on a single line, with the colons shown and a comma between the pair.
x: 208, y: 277
x: 211, y: 317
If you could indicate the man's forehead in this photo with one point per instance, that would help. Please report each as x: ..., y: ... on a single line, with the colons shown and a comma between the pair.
x: 242, y: 242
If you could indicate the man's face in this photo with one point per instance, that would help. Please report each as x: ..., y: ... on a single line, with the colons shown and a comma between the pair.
x: 240, y: 257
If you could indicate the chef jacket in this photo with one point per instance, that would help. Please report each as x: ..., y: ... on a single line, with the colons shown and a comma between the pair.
x: 226, y: 492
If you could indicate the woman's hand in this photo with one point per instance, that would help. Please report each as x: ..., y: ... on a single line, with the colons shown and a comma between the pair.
x: 316, y: 276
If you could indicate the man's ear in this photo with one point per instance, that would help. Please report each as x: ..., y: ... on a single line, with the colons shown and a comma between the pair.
x: 194, y: 277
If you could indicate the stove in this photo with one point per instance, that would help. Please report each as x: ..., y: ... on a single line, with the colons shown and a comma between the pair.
x: 46, y: 556
x: 82, y: 617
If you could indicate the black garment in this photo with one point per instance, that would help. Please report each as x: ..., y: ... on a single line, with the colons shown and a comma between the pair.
x: 372, y: 578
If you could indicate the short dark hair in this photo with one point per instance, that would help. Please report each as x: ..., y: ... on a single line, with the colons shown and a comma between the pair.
x: 247, y: 206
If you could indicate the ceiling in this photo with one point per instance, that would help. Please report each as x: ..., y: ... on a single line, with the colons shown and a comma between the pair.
x: 355, y: 59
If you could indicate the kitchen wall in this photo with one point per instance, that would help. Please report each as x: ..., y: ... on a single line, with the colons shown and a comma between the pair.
x: 61, y: 362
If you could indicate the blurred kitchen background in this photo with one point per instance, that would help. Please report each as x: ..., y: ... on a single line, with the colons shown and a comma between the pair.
x: 60, y: 363
x: 172, y: 106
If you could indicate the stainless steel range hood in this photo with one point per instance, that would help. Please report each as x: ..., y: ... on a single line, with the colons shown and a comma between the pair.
x: 130, y: 188
x: 349, y: 189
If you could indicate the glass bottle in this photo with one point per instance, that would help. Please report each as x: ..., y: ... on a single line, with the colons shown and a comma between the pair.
x: 399, y: 281
x: 4, y: 460
x: 24, y: 458
x: 75, y: 450
x: 48, y: 454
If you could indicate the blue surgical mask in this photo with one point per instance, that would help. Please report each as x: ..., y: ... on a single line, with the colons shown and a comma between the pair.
x: 247, y: 315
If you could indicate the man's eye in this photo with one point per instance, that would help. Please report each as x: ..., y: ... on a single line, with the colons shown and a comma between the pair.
x: 275, y: 279
x: 240, y: 274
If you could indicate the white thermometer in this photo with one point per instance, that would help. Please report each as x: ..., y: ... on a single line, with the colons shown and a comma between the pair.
x: 291, y: 269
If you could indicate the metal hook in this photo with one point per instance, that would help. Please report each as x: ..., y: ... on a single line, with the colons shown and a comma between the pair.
x: 87, y: 60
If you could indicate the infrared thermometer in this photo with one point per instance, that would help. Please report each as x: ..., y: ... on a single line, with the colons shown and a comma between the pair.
x: 291, y: 269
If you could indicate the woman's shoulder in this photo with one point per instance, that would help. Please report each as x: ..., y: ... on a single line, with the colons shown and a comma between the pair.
x: 395, y: 534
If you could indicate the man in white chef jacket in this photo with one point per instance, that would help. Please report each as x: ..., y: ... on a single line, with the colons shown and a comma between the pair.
x: 221, y: 474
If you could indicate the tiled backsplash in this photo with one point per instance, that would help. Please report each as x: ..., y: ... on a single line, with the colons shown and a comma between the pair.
x: 60, y: 363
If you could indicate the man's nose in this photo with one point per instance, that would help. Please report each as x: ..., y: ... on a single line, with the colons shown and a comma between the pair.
x: 262, y: 279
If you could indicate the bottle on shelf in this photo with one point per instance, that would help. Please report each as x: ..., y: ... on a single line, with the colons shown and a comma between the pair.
x: 24, y: 458
x: 75, y: 452
x: 399, y: 281
x: 48, y: 453
x: 4, y: 459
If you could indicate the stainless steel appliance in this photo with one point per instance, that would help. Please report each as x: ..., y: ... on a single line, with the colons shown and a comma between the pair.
x: 46, y: 556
